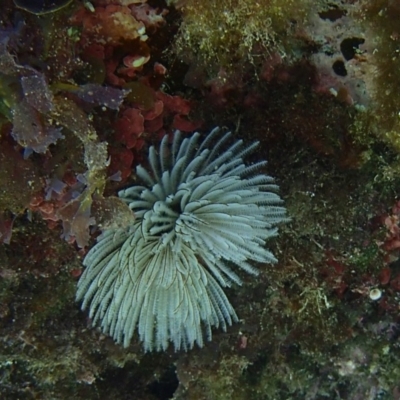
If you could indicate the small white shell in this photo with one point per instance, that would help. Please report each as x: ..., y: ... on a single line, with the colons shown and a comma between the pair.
x: 375, y: 294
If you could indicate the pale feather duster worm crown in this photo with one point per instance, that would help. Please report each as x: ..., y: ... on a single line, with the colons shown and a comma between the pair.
x: 200, y: 213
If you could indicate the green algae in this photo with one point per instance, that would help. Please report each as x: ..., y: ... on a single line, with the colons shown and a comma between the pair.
x: 233, y: 33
